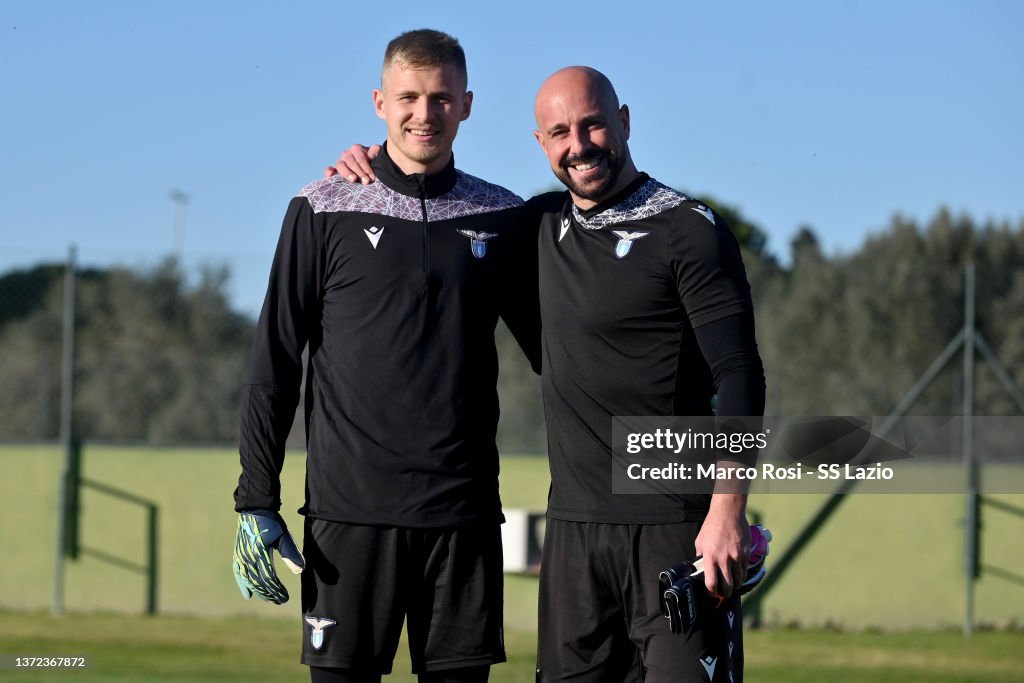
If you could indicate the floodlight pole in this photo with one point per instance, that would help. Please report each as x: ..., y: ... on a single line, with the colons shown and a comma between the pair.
x: 67, y: 396
x: 180, y: 200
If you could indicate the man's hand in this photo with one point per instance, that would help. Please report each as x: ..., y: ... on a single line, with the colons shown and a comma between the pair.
x: 680, y: 602
x: 724, y: 543
x: 354, y: 164
x: 259, y: 533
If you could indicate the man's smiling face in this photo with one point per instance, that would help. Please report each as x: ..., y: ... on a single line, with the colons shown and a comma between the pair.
x: 422, y: 108
x: 583, y: 133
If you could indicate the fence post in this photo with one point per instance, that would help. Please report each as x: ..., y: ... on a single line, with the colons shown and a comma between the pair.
x: 67, y: 404
x: 971, y: 516
x: 152, y: 560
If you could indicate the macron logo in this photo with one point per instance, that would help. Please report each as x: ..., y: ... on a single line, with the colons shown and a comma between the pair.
x: 704, y: 211
x: 374, y: 234
x: 565, y: 229
x: 709, y: 663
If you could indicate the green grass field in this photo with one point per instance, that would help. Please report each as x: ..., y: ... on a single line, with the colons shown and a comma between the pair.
x: 906, y: 548
x: 884, y: 578
x: 222, y: 650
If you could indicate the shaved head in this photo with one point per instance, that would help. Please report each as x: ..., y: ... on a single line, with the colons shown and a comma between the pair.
x: 580, y: 78
x: 583, y: 132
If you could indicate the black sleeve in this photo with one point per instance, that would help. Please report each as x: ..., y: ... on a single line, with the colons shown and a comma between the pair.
x: 713, y: 287
x: 730, y: 349
x: 708, y: 266
x: 519, y: 304
x: 274, y: 374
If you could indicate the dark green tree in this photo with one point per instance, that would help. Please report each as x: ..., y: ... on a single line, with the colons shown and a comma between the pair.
x: 157, y: 359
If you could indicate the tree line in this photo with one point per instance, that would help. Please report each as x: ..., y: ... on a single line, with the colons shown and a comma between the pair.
x: 160, y: 359
x: 157, y: 359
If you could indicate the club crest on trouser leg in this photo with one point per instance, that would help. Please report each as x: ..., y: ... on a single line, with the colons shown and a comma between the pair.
x: 478, y: 241
x: 626, y: 240
x: 316, y: 638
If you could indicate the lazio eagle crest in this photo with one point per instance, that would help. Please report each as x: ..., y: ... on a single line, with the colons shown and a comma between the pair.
x: 626, y: 240
x: 316, y: 638
x: 478, y: 244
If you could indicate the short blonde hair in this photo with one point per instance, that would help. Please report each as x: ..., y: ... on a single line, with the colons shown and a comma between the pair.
x: 426, y: 48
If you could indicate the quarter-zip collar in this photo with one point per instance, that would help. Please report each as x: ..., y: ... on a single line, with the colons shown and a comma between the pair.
x: 423, y: 185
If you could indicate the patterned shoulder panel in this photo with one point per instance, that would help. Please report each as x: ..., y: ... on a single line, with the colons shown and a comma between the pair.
x: 337, y: 194
x: 469, y: 197
x: 650, y: 199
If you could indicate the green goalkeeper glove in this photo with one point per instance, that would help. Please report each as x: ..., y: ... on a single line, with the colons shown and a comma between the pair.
x: 259, y: 533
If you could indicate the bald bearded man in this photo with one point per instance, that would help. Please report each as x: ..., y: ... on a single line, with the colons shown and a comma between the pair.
x: 645, y: 310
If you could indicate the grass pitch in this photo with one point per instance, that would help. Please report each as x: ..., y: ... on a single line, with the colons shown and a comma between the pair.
x: 906, y: 548
x: 132, y: 648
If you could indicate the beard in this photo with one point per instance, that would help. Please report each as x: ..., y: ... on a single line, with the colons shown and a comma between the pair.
x: 598, y: 188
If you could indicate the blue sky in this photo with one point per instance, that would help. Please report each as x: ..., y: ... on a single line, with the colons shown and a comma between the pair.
x: 834, y: 114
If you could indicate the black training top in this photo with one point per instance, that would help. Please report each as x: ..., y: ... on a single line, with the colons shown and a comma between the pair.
x: 623, y: 288
x: 396, y: 287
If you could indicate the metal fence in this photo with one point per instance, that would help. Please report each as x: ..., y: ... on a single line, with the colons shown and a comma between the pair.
x: 915, y: 323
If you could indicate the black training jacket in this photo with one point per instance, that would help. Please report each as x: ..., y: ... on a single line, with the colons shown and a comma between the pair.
x: 639, y: 294
x: 396, y: 287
